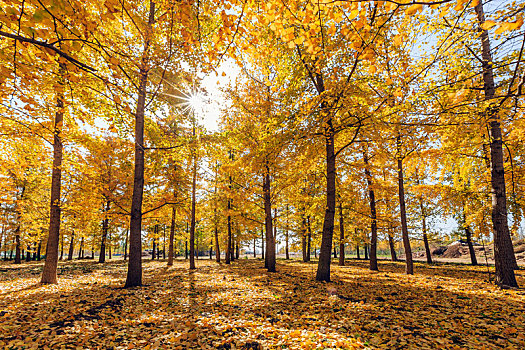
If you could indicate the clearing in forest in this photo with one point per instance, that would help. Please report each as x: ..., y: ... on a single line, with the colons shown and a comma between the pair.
x: 242, y: 306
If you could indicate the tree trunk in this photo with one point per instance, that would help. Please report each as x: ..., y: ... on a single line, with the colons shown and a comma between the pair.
x: 366, y: 251
x: 172, y: 235
x: 402, y: 211
x: 303, y: 240
x: 126, y: 246
x: 473, y: 258
x: 341, y: 236
x: 254, y: 247
x: 323, y: 267
x: 217, y: 248
x: 18, y: 258
x: 237, y: 250
x: 71, y: 246
x: 286, y: 248
x: 504, y: 258
x: 393, y: 255
x: 229, y: 243
x: 39, y: 251
x: 61, y: 247
x: 193, y: 200
x: 263, y: 255
x: 134, y: 275
x: 186, y: 250
x: 105, y: 226
x: 373, y: 215
x: 270, y: 239
x: 335, y: 252
x: 81, y: 249
x: 309, y: 240
x: 154, y: 246
x: 49, y: 272
x: 425, y: 241
x: 109, y: 245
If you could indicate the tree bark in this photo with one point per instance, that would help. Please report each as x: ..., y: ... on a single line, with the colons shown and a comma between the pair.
x: 193, y: 200
x: 39, y: 251
x: 18, y: 258
x: 263, y: 255
x: 71, y: 246
x: 270, y: 239
x: 473, y: 258
x: 126, y: 246
x: 303, y: 240
x: 393, y: 255
x: 49, y: 272
x: 105, y: 226
x: 366, y: 251
x: 341, y: 236
x: 81, y: 249
x: 309, y: 240
x: 172, y: 235
x: 323, y: 267
x: 425, y: 241
x: 373, y: 214
x: 134, y: 275
x: 402, y: 210
x: 504, y: 258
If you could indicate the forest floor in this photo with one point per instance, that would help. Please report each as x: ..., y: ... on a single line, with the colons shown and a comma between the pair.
x: 443, y: 306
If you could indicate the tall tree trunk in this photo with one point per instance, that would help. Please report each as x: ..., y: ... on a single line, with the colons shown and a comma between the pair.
x: 357, y: 246
x: 373, y: 215
x: 49, y: 272
x: 61, y: 247
x: 286, y: 248
x: 237, y: 250
x: 335, y: 252
x: 309, y: 240
x: 28, y: 254
x: 109, y: 245
x: 402, y: 210
x: 39, y: 251
x: 18, y: 258
x: 425, y: 241
x: 81, y: 249
x: 263, y: 255
x: 217, y: 248
x: 254, y: 247
x: 105, y: 226
x: 186, y: 250
x: 341, y: 236
x: 193, y: 200
x: 154, y: 243
x: 164, y: 242
x: 71, y: 246
x: 134, y: 275
x: 366, y: 251
x: 229, y: 226
x: 504, y: 258
x: 270, y: 239
x: 393, y: 255
x: 323, y: 267
x: 303, y: 239
x: 172, y: 236
x: 126, y: 246
x: 473, y: 258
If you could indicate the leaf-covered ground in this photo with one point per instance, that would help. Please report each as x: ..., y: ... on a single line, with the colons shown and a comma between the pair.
x: 243, y: 307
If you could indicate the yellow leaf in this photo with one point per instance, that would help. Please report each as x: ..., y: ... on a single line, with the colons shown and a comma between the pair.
x: 398, y: 40
x: 488, y: 24
x: 413, y: 9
